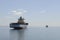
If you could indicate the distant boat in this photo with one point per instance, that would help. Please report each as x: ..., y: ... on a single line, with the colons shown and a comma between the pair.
x: 19, y: 25
x: 46, y: 25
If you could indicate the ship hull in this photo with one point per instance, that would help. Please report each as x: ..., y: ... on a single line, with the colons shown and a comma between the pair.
x: 18, y: 25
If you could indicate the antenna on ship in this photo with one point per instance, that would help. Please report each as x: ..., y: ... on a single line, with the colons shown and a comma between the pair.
x: 21, y: 18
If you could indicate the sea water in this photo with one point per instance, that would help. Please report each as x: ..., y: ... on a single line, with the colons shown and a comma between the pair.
x: 30, y: 33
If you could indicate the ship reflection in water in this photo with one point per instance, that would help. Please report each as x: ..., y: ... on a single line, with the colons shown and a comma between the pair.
x: 31, y: 33
x: 17, y: 34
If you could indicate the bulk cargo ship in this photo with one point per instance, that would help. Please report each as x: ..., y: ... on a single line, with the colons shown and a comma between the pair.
x: 19, y: 25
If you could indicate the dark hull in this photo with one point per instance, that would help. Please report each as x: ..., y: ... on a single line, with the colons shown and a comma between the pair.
x: 18, y: 25
x: 18, y: 28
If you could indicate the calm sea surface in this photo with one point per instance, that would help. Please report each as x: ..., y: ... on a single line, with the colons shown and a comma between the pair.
x: 31, y: 33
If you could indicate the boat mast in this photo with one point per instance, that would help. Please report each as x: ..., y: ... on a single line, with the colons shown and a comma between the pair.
x: 21, y: 20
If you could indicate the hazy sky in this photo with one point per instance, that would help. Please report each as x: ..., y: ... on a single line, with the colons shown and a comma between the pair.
x: 36, y: 12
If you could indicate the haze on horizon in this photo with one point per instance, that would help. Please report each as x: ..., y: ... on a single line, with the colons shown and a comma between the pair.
x: 36, y: 12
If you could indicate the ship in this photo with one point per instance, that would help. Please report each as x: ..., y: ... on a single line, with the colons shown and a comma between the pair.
x: 46, y: 25
x: 20, y: 24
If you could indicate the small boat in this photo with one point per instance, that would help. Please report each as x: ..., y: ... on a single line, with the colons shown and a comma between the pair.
x: 46, y: 25
x: 19, y: 25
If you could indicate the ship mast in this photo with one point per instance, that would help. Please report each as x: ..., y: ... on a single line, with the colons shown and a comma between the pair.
x: 21, y: 20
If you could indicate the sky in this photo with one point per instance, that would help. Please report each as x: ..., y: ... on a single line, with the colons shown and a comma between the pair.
x: 35, y: 12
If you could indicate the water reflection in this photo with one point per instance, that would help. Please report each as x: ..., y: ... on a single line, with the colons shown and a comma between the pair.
x: 17, y: 34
